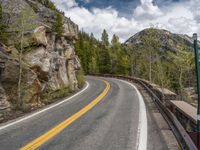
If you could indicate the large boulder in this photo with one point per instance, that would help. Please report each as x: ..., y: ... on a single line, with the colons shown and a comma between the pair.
x: 40, y: 35
x: 39, y: 57
x: 4, y: 104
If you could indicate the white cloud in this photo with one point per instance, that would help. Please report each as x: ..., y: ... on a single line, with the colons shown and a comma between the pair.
x: 98, y: 19
x: 65, y: 4
x: 178, y: 17
x: 147, y: 10
x: 182, y: 25
x: 195, y: 9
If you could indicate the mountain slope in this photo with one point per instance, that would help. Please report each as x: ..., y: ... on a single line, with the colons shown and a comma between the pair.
x: 166, y: 39
x: 163, y: 58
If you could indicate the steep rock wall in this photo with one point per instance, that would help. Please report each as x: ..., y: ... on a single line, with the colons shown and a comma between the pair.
x: 49, y: 62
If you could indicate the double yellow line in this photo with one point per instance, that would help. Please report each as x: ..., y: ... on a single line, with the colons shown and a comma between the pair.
x: 57, y: 129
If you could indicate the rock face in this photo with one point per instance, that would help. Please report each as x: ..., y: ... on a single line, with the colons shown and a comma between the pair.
x: 49, y: 62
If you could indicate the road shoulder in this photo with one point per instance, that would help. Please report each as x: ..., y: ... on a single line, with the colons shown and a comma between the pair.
x: 32, y: 114
x: 158, y: 127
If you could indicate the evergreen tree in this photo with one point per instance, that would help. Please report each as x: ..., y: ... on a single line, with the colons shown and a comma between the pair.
x: 123, y: 65
x: 48, y: 3
x: 104, y: 60
x: 86, y: 49
x: 114, y: 53
x: 115, y: 40
x: 93, y: 65
x: 80, y: 50
x: 104, y: 38
x: 58, y: 25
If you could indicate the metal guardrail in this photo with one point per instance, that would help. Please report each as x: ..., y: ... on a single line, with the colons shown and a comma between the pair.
x: 182, y: 136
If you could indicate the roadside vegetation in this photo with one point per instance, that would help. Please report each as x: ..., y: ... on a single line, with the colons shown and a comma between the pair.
x: 52, y: 96
x: 81, y: 78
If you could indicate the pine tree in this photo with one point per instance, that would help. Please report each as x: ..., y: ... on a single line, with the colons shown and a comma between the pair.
x: 114, y: 53
x: 115, y: 40
x: 93, y: 65
x: 104, y: 38
x: 85, y: 48
x: 49, y: 4
x: 104, y: 60
x: 58, y: 25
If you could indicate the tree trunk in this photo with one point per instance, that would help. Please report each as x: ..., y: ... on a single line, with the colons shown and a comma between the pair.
x: 180, y: 83
x: 132, y: 65
x: 150, y: 67
x: 20, y: 102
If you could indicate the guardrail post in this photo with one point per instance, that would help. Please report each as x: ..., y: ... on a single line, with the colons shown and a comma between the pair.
x: 198, y: 86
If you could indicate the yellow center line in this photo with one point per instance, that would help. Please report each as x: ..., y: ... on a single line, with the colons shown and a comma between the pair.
x: 57, y: 129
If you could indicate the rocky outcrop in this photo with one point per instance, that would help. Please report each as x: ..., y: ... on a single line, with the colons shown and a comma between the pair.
x: 54, y: 60
x: 49, y: 61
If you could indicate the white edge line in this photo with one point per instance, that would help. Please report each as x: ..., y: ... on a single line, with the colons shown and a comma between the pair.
x: 142, y: 126
x: 45, y: 109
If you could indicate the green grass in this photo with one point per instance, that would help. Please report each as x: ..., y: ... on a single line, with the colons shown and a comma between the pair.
x: 52, y: 96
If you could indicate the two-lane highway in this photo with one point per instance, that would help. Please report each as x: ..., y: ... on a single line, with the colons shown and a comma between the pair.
x: 109, y: 114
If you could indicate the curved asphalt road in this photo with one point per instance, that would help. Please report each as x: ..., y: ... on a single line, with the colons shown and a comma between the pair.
x: 112, y: 124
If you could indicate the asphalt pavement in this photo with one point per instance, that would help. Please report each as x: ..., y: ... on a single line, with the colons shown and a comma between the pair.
x: 114, y: 123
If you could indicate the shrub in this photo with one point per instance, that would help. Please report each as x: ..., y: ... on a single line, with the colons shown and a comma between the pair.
x: 81, y: 78
x: 51, y: 96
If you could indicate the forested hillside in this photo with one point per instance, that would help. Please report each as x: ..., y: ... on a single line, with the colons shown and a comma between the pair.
x: 102, y: 56
x: 164, y: 58
x: 156, y: 55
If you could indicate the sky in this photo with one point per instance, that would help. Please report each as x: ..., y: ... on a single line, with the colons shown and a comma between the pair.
x: 127, y: 17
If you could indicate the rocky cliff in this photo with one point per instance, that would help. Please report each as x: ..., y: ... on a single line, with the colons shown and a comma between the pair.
x: 49, y: 61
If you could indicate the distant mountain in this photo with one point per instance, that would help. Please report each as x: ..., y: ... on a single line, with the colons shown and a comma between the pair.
x: 168, y: 40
